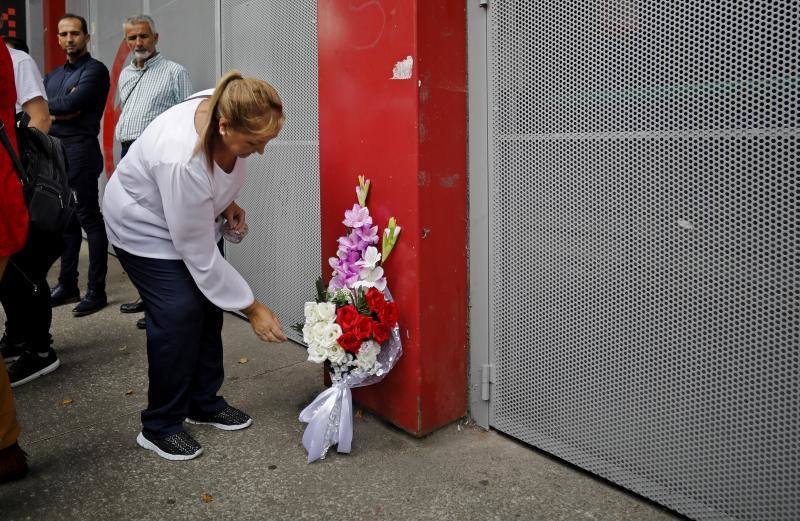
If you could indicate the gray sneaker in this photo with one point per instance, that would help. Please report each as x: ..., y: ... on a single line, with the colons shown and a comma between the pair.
x: 228, y: 419
x: 175, y: 447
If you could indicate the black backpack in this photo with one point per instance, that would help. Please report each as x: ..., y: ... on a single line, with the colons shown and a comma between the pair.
x: 42, y: 168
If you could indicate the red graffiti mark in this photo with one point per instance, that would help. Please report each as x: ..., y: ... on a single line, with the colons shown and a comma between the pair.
x: 112, y: 111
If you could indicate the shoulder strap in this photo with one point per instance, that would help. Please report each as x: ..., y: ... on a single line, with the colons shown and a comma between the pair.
x: 14, y: 158
x: 133, y: 89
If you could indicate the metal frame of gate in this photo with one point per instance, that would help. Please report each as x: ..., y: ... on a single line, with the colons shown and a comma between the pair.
x: 661, y: 345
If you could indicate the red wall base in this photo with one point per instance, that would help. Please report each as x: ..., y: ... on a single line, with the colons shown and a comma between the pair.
x: 409, y: 137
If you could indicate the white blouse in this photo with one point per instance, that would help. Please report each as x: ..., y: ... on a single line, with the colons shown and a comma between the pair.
x: 164, y: 203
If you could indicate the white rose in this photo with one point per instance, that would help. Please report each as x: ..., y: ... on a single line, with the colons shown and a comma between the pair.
x: 330, y: 334
x: 316, y: 353
x: 308, y: 336
x: 326, y: 311
x: 310, y: 311
x: 336, y: 354
x: 318, y: 332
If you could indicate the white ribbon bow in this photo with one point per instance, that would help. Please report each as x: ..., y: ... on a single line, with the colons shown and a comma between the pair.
x: 330, y: 422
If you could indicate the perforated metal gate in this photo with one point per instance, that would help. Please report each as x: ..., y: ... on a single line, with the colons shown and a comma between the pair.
x: 277, y: 41
x: 644, y: 284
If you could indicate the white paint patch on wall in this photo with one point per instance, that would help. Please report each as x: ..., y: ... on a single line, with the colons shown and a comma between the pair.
x: 402, y: 70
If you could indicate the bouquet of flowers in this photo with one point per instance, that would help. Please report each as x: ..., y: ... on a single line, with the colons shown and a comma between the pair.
x: 352, y: 326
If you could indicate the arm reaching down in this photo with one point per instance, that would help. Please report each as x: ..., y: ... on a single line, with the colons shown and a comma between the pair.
x: 265, y: 324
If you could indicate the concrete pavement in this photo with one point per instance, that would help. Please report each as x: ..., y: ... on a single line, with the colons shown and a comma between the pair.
x: 80, y: 424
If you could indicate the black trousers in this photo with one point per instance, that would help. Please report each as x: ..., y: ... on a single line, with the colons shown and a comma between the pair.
x: 184, y: 344
x: 85, y: 166
x: 24, y: 291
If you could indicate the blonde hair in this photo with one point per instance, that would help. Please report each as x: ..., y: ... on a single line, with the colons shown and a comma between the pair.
x: 249, y: 105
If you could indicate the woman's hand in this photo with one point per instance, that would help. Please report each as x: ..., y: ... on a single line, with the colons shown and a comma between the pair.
x: 234, y: 214
x: 265, y: 324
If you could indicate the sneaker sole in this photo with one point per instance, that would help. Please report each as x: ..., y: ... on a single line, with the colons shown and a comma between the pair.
x: 147, y: 444
x: 222, y: 426
x: 41, y: 372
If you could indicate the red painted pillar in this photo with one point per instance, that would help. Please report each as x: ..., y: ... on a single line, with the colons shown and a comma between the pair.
x: 409, y: 137
x: 52, y: 10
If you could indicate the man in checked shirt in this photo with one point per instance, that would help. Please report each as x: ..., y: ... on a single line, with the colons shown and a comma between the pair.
x: 148, y: 86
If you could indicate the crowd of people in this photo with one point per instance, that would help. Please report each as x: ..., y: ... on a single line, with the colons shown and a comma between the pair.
x: 164, y: 212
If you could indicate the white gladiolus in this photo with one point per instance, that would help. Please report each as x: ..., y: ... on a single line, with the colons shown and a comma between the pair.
x: 370, y: 259
x: 371, y: 278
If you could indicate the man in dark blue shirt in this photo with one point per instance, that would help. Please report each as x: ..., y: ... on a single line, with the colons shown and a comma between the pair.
x: 76, y: 95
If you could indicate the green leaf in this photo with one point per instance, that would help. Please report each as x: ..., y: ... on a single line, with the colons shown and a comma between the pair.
x: 298, y: 328
x: 360, y: 301
x: 322, y: 293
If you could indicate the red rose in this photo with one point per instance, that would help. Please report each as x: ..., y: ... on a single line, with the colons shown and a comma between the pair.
x: 380, y: 332
x: 376, y: 300
x: 388, y: 314
x: 363, y: 328
x: 347, y: 318
x: 349, y: 342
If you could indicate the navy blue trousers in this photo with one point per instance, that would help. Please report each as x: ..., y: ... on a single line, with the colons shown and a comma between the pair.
x: 184, y: 344
x: 85, y: 165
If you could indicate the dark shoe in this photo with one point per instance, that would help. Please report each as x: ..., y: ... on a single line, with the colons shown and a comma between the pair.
x: 228, y: 419
x: 61, y: 295
x: 141, y: 324
x: 92, y: 302
x: 176, y: 447
x: 11, y: 349
x: 31, y: 365
x: 13, y: 464
x: 137, y: 306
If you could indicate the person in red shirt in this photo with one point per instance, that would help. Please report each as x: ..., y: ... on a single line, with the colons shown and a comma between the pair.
x: 13, y: 233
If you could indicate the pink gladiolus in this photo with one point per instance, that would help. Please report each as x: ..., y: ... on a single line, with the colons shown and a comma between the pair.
x: 357, y: 217
x: 367, y: 235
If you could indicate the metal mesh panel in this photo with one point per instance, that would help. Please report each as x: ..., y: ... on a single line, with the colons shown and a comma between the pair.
x: 644, y: 245
x: 190, y: 48
x: 280, y: 257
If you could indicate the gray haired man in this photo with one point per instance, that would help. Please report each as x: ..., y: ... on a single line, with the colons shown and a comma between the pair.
x: 148, y: 86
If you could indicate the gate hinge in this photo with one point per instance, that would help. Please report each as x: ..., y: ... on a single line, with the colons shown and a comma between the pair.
x: 483, y: 3
x: 487, y: 379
